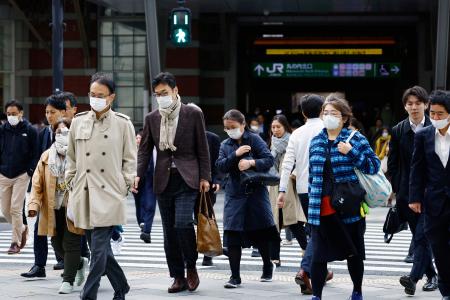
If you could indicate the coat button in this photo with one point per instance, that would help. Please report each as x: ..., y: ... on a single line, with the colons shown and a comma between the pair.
x: 87, y: 171
x: 85, y: 188
x: 103, y: 186
x: 102, y: 170
x: 103, y: 153
x: 106, y: 136
x: 87, y: 154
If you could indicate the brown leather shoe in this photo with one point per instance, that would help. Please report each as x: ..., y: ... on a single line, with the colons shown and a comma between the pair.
x: 178, y: 285
x: 23, y: 241
x: 329, y: 275
x: 302, y: 279
x: 14, y: 249
x: 192, y: 279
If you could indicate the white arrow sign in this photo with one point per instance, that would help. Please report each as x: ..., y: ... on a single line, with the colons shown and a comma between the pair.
x: 395, y: 69
x: 259, y: 69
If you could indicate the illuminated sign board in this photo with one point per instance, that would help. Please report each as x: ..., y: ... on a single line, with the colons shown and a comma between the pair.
x: 318, y: 51
x: 326, y: 70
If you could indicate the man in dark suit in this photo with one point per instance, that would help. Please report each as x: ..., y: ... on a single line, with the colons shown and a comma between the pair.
x: 182, y: 169
x: 430, y: 185
x: 415, y: 101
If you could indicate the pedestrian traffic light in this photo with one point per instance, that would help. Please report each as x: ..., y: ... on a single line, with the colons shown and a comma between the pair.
x: 180, y: 26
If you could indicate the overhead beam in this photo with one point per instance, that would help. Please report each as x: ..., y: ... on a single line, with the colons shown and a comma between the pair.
x: 440, y: 80
x: 83, y: 35
x: 30, y: 26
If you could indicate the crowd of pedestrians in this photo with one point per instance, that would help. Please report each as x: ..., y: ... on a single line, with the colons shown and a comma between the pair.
x: 82, y: 167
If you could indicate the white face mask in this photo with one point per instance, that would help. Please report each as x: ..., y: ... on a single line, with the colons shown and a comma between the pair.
x: 385, y: 134
x: 98, y: 104
x: 440, y: 124
x: 62, y: 142
x: 331, y: 122
x: 164, y: 101
x: 235, y: 133
x: 254, y: 127
x: 13, y: 120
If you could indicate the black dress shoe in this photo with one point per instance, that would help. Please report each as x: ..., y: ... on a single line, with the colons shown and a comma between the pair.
x: 409, y: 284
x: 120, y: 295
x: 409, y: 259
x: 431, y: 284
x: 35, y: 272
x: 59, y: 265
x: 146, y: 237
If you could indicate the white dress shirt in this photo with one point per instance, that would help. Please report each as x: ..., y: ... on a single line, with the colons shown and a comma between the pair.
x: 297, y: 153
x: 417, y: 127
x: 442, y: 146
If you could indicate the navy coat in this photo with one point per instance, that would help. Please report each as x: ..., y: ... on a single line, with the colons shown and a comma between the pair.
x: 245, y: 212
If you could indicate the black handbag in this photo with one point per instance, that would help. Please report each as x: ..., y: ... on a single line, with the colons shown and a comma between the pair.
x: 393, y: 224
x: 346, y: 197
x: 251, y: 177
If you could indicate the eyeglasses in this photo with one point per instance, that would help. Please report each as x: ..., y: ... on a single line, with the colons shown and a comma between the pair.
x: 333, y: 113
x: 163, y: 94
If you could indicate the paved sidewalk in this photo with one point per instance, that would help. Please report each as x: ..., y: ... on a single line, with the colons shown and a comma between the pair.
x: 153, y: 285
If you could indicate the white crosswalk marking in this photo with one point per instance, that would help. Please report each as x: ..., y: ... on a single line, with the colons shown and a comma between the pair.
x: 380, y: 257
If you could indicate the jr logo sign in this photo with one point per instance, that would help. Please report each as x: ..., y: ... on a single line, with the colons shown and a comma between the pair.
x: 269, y: 70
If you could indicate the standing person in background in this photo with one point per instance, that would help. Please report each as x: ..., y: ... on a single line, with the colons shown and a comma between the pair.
x: 401, y: 147
x: 145, y: 199
x: 332, y: 160
x: 182, y: 170
x: 375, y: 131
x: 382, y: 151
x: 55, y: 109
x: 290, y: 214
x: 297, y: 157
x: 18, y: 157
x: 355, y: 124
x: 247, y: 216
x: 101, y: 167
x: 429, y: 185
x: 49, y: 199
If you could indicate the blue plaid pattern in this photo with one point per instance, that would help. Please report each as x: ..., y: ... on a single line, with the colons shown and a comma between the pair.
x: 360, y: 156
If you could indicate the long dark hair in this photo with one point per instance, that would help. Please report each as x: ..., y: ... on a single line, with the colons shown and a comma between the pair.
x: 283, y: 121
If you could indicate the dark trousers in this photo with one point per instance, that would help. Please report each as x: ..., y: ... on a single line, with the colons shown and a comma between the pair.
x: 102, y: 261
x: 67, y: 245
x: 40, y: 247
x: 423, y: 263
x: 176, y: 205
x: 406, y: 214
x: 437, y: 230
x: 307, y: 256
x: 145, y: 201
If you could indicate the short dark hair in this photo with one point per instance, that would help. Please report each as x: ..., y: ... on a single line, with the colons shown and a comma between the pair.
x: 64, y: 121
x: 311, y: 105
x: 283, y: 121
x: 104, y: 79
x: 341, y: 105
x: 69, y: 96
x: 56, y: 101
x: 14, y: 103
x: 234, y: 115
x: 419, y: 92
x: 439, y: 97
x: 164, y: 78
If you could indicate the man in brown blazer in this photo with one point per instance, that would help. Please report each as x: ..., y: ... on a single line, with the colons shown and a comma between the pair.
x: 182, y: 169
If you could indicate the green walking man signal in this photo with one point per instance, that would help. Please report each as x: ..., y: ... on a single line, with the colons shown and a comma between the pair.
x: 180, y: 26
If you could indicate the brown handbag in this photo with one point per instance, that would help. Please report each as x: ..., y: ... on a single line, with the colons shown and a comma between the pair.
x: 208, y: 236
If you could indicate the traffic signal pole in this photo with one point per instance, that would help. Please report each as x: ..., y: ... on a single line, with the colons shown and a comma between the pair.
x: 57, y: 44
x: 154, y: 63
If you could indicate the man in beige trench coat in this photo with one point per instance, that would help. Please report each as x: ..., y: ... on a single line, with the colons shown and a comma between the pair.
x: 101, y: 167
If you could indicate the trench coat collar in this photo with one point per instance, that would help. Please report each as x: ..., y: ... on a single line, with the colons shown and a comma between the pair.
x: 104, y: 119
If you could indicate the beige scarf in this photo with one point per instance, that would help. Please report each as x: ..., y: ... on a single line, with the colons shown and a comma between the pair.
x: 168, y: 126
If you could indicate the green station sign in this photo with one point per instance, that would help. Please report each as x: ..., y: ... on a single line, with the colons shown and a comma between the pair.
x: 326, y: 70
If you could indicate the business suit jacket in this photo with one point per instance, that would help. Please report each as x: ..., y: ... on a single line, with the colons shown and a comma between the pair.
x: 401, y: 149
x: 191, y: 157
x: 429, y: 180
x: 45, y: 139
x: 214, y: 147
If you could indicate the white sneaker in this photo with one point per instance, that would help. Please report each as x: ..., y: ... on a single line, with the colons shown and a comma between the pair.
x: 286, y: 242
x: 66, y: 288
x: 81, y: 273
x: 116, y: 246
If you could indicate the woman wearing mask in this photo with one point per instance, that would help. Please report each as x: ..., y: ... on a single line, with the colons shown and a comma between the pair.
x: 289, y: 214
x: 332, y: 160
x: 382, y: 151
x: 49, y: 198
x: 247, y: 217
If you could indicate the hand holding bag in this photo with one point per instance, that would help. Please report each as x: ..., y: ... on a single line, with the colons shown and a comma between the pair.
x: 378, y: 188
x: 393, y: 224
x: 208, y: 236
x: 253, y: 177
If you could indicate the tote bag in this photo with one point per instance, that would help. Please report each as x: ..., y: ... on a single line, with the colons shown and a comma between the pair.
x: 208, y: 236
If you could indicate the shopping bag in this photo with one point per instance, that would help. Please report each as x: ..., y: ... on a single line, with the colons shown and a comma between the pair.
x: 208, y: 236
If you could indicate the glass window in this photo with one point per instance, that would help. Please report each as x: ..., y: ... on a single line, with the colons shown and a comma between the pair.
x: 124, y: 79
x: 125, y: 97
x: 123, y: 63
x: 106, y: 28
x: 107, y: 45
x: 123, y: 46
x: 139, y: 64
x: 106, y: 63
x: 126, y: 111
x: 123, y: 29
x: 139, y: 45
x: 138, y: 114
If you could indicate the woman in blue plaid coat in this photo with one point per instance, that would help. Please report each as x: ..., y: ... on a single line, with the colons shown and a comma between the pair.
x: 332, y: 160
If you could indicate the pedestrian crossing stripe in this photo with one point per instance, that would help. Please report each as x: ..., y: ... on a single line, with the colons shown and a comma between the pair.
x: 380, y: 257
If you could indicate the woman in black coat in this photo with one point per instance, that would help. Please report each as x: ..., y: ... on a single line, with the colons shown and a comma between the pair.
x: 248, y: 218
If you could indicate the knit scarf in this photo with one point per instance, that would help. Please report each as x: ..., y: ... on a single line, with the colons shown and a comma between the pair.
x: 381, y: 145
x: 168, y: 126
x: 56, y: 164
x: 278, y: 148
